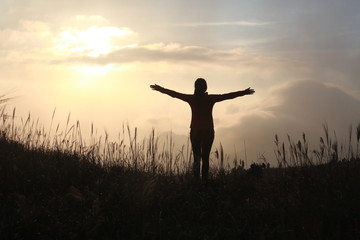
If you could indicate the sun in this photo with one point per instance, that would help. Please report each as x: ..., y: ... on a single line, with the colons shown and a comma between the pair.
x: 86, y: 45
x: 93, y: 41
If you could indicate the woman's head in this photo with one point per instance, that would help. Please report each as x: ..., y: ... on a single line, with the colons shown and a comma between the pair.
x: 200, y: 86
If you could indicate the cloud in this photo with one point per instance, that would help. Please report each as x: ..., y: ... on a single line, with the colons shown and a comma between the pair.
x: 92, y: 41
x: 29, y: 41
x: 231, y: 23
x: 151, y: 54
x: 82, y: 20
x: 297, y: 107
x: 37, y: 41
x: 173, y: 53
x: 28, y: 34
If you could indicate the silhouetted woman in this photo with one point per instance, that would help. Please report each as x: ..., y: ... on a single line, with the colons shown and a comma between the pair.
x: 202, y: 124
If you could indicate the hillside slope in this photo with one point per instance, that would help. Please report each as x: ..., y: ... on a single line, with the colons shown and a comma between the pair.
x: 51, y: 195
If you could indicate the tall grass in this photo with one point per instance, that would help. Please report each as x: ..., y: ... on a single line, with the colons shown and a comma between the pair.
x: 298, y: 153
x: 155, y: 156
x: 149, y: 155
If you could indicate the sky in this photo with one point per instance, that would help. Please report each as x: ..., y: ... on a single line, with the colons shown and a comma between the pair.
x: 96, y: 60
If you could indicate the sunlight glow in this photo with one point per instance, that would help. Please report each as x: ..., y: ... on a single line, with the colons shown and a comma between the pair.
x: 92, y: 42
x: 93, y: 70
x: 94, y: 76
x: 90, y: 76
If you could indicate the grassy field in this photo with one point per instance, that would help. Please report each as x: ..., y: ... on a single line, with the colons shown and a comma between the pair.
x: 54, y: 186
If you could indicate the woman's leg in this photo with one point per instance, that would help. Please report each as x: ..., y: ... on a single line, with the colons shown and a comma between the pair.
x: 207, y: 141
x: 195, y: 138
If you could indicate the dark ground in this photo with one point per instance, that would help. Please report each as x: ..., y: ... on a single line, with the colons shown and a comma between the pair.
x: 51, y: 195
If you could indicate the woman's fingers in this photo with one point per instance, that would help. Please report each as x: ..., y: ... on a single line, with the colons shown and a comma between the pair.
x: 250, y: 91
x: 154, y: 87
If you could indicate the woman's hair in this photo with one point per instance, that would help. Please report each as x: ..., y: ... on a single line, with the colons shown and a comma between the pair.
x: 200, y: 86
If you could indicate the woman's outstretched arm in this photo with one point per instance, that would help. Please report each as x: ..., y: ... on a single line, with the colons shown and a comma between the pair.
x: 169, y: 92
x: 221, y: 97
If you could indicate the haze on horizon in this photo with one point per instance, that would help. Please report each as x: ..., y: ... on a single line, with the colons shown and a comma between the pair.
x: 96, y: 59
